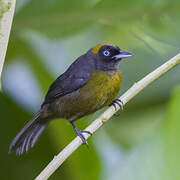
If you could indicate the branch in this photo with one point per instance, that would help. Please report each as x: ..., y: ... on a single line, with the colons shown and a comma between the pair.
x: 6, y: 15
x: 96, y: 124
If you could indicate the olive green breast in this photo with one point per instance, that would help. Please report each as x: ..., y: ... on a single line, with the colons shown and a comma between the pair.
x: 99, y: 91
x: 102, y: 87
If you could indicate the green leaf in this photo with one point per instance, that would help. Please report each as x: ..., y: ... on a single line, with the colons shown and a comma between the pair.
x: 171, y: 134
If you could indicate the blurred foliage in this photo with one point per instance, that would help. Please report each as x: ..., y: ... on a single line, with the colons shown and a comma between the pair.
x: 46, y: 37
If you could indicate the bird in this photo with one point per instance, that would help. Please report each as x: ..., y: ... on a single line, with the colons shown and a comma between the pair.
x: 90, y: 83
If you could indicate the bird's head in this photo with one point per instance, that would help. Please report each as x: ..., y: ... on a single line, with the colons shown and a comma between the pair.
x: 108, y: 56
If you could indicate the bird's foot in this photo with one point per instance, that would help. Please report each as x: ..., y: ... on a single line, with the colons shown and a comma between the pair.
x: 119, y: 103
x: 80, y: 133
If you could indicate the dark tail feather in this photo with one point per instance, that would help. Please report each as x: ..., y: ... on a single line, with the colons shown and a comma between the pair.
x: 28, y: 136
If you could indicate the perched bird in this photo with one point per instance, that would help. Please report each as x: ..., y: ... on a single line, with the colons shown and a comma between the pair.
x: 90, y: 83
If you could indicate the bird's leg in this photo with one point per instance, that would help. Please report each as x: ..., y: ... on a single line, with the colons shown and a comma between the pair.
x: 80, y: 133
x: 119, y: 103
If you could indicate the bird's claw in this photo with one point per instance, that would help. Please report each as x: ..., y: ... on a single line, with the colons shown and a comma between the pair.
x: 88, y: 132
x: 119, y: 103
x: 80, y: 133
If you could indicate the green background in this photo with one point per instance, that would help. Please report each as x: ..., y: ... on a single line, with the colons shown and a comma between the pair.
x: 46, y: 37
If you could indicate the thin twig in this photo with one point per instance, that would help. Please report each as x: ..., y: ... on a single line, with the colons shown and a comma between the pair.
x: 96, y: 124
x: 7, y: 8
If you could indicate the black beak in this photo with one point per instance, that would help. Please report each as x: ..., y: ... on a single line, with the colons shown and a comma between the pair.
x: 122, y: 54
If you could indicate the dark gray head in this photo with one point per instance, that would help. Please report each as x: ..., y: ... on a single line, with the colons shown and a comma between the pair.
x: 108, y: 56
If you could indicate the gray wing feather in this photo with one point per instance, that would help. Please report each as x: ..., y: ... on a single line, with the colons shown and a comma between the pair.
x: 74, y: 78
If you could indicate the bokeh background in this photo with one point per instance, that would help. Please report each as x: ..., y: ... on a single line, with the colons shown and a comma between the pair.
x: 143, y: 143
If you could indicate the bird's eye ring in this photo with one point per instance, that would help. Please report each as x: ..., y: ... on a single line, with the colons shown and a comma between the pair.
x: 106, y: 53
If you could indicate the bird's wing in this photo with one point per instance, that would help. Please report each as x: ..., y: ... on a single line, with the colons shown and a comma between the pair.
x: 65, y: 84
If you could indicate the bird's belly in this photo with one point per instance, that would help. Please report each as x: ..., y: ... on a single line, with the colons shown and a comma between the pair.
x: 99, y: 91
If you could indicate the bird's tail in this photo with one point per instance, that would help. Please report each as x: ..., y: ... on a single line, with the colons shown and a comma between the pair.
x: 28, y: 136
